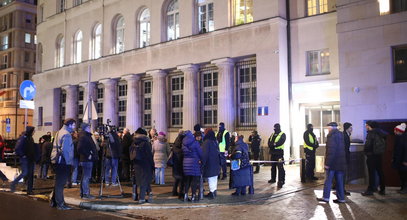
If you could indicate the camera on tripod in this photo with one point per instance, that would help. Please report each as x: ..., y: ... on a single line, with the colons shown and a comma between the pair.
x: 105, y: 129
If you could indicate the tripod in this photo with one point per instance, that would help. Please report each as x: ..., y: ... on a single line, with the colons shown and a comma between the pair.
x: 102, y: 175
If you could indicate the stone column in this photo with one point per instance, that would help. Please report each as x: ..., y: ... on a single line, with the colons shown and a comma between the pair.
x: 93, y: 96
x: 190, y: 105
x: 56, y: 116
x: 71, y: 105
x: 133, y: 118
x: 110, y: 101
x: 226, y: 95
x: 158, y: 100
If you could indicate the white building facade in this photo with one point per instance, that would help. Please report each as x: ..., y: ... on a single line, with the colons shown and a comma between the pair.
x: 170, y: 64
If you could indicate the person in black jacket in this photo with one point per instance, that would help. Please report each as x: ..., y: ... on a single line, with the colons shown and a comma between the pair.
x: 112, y: 149
x: 310, y: 146
x: 29, y: 154
x: 255, y: 141
x: 141, y: 157
x: 87, y: 154
x: 223, y: 138
x: 127, y: 139
x: 210, y: 161
x: 347, y: 132
x: 177, y: 159
x: 276, y: 146
x: 45, y: 156
x: 373, y: 149
x: 400, y: 155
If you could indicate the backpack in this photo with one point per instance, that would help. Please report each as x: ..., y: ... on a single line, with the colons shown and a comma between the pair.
x: 379, y: 144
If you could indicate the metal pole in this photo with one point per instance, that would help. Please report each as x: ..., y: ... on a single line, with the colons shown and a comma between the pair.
x: 25, y: 119
x: 15, y: 133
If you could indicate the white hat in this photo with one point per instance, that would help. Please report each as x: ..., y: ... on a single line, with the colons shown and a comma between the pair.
x: 401, y: 127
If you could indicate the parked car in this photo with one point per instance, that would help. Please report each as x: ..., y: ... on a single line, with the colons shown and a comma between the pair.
x: 8, y: 154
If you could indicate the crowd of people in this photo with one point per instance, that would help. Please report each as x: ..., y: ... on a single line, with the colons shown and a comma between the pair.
x: 195, y: 156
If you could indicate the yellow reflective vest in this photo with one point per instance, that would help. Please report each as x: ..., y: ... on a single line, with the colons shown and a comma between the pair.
x: 281, y: 147
x: 311, y: 140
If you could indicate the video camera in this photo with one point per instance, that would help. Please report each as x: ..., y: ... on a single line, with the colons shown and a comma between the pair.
x: 105, y: 129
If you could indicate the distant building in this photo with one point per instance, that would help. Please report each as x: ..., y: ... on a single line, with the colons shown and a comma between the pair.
x: 170, y: 64
x: 17, y: 61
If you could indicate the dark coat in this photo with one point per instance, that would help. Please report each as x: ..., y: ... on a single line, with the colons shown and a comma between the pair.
x: 241, y: 177
x: 46, y: 152
x: 219, y: 138
x: 126, y: 143
x: 400, y: 152
x: 210, y: 156
x: 26, y: 148
x: 370, y: 139
x: 255, y: 141
x: 143, y: 162
x: 347, y: 146
x: 115, y: 146
x: 178, y: 157
x: 272, y: 143
x: 86, y: 147
x: 335, y: 156
x: 192, y: 155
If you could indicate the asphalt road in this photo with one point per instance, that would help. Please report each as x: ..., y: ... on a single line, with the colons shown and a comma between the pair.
x: 21, y: 207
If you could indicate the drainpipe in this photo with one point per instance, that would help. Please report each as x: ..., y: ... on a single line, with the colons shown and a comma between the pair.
x: 289, y: 76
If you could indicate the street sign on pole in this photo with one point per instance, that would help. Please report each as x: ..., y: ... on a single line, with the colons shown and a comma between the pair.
x: 28, y: 89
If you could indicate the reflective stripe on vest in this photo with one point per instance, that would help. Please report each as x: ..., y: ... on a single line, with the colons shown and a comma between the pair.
x: 222, y: 145
x: 311, y: 140
x: 281, y: 147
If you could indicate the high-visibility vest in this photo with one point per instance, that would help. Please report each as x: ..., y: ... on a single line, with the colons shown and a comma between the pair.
x: 222, y: 145
x: 281, y: 147
x: 311, y: 140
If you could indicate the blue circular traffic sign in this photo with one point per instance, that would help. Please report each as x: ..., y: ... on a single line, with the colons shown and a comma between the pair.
x: 27, y: 90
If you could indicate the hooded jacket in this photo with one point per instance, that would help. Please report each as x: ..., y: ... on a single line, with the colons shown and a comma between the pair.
x: 210, y: 156
x: 335, y: 156
x: 192, y: 155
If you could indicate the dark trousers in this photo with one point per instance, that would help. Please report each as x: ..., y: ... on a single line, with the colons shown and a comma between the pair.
x: 223, y: 163
x: 179, y: 183
x: 374, y: 164
x: 62, y: 172
x: 27, y: 167
x: 125, y: 171
x: 403, y: 179
x: 191, y: 182
x: 86, y: 175
x: 280, y: 166
x: 309, y: 163
x: 241, y: 190
x: 256, y: 155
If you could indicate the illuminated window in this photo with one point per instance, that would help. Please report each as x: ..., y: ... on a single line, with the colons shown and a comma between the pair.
x: 97, y: 42
x: 81, y: 102
x: 77, y: 47
x: 119, y: 37
x: 243, y: 11
x: 122, y: 103
x: 99, y: 103
x: 318, y: 62
x: 209, y: 96
x: 317, y: 7
x: 400, y: 64
x: 177, y: 99
x: 60, y: 51
x: 144, y: 22
x: 247, y: 92
x: 205, y: 16
x: 4, y: 42
x: 173, y: 21
x: 319, y: 117
x: 27, y: 38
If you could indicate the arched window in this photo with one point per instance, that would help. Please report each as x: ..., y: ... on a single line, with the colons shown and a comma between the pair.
x: 144, y: 22
x: 96, y: 42
x: 77, y: 47
x: 119, y: 37
x: 60, y: 51
x: 172, y: 20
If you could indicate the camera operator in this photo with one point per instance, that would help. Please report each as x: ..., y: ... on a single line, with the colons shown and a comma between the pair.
x: 112, y: 148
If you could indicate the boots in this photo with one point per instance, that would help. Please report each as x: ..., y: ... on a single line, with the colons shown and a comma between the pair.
x: 186, y: 197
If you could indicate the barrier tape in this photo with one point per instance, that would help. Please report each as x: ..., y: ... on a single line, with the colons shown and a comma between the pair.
x: 273, y: 161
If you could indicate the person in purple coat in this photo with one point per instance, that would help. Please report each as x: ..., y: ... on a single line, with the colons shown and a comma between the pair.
x: 191, y: 165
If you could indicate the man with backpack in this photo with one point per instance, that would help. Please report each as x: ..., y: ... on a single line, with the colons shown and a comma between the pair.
x: 375, y: 146
x: 62, y: 157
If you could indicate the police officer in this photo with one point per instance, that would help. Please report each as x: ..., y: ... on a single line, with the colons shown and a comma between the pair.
x: 255, y: 141
x: 223, y: 138
x: 310, y: 145
x: 276, y: 146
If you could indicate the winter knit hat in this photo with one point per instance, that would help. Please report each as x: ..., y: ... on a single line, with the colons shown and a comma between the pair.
x: 141, y: 131
x: 401, y: 127
x: 161, y: 133
x: 84, y: 126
